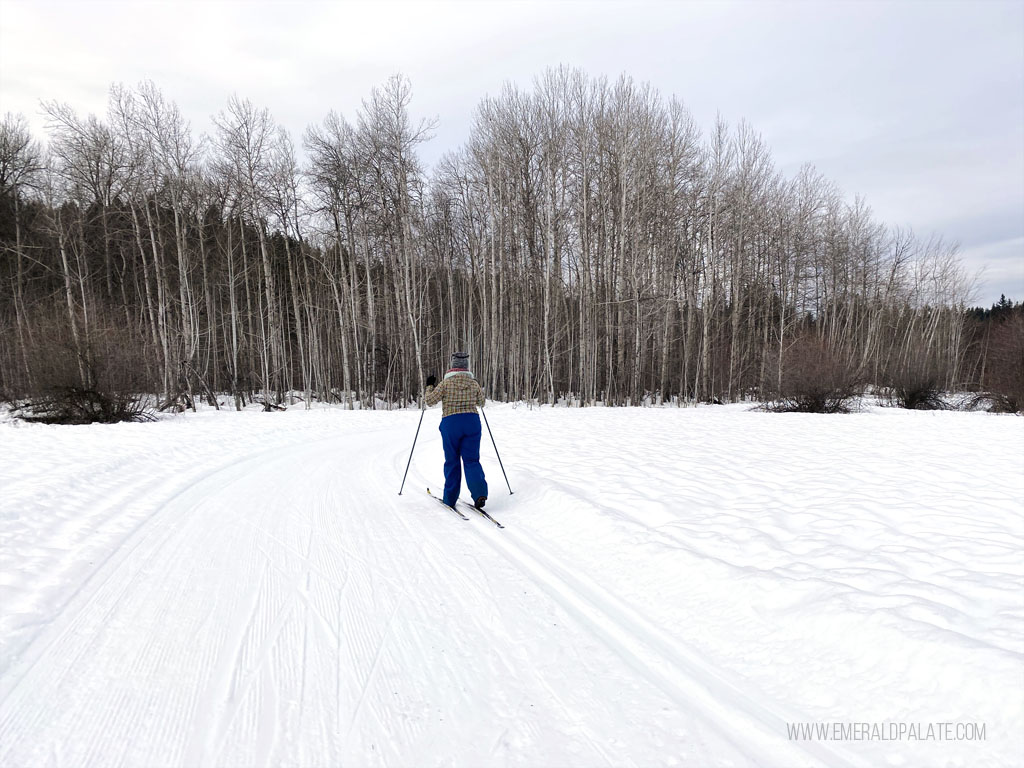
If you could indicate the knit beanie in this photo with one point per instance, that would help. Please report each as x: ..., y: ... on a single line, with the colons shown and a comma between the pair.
x: 460, y: 361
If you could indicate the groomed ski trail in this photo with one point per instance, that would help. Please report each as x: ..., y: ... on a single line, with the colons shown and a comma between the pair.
x: 288, y: 608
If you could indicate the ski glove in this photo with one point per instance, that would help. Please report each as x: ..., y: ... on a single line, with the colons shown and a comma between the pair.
x: 431, y: 381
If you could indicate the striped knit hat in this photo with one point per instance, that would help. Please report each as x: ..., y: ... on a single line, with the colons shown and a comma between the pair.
x: 460, y: 361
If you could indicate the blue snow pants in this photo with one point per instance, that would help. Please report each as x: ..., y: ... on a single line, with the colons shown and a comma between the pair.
x: 460, y: 434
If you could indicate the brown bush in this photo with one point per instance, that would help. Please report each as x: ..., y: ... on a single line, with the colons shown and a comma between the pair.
x: 915, y: 384
x: 100, y: 379
x: 815, y: 379
x: 74, y: 405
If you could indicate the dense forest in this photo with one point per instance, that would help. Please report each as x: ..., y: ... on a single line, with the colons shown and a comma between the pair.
x: 588, y: 244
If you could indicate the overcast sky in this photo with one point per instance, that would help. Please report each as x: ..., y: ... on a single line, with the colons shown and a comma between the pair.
x: 918, y: 106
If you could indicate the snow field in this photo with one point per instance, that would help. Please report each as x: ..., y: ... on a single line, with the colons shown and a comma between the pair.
x: 673, y: 587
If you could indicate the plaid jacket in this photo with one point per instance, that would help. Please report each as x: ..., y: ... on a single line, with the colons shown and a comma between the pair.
x: 458, y: 393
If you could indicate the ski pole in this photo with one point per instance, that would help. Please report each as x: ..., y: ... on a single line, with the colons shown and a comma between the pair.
x: 422, y: 411
x: 496, y: 450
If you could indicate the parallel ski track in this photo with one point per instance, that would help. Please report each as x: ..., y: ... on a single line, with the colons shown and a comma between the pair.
x: 147, y: 529
x: 92, y: 615
x: 683, y: 674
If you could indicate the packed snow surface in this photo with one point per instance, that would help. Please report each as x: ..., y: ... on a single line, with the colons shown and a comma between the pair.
x: 674, y: 587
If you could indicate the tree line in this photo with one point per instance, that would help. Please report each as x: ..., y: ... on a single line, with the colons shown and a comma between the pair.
x: 587, y: 244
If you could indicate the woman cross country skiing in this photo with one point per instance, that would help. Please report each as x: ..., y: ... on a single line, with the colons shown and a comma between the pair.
x: 459, y: 394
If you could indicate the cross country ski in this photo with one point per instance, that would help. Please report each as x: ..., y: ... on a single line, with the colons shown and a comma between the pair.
x: 453, y: 509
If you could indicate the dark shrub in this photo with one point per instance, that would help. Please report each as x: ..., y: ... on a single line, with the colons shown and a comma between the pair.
x: 914, y: 384
x: 98, y: 379
x: 815, y: 379
x: 75, y: 405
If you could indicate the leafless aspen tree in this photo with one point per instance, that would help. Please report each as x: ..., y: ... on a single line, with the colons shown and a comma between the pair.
x: 587, y: 244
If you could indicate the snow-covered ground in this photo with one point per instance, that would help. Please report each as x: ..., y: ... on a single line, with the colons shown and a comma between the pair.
x: 675, y: 587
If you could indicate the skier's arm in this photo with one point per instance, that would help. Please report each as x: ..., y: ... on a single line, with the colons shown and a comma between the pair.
x: 480, y: 399
x: 432, y: 395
